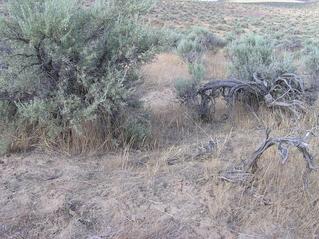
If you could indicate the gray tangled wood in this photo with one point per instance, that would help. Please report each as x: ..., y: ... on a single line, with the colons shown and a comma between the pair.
x: 286, y: 91
x: 250, y: 166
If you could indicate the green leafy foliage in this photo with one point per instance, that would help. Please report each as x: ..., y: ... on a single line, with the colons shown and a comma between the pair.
x: 72, y: 63
x: 197, y: 71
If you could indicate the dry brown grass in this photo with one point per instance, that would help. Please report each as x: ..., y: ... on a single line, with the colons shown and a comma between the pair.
x: 164, y: 193
x: 163, y: 71
x: 216, y: 65
x: 172, y: 190
x: 172, y: 122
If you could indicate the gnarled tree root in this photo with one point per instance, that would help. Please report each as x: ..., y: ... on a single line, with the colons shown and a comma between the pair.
x: 284, y: 92
x: 243, y: 173
x: 283, y: 145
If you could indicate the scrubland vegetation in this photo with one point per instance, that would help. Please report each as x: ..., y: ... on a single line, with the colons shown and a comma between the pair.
x: 167, y: 119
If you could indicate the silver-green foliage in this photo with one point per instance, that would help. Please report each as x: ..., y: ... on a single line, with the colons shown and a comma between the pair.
x: 71, y: 63
x: 186, y: 90
x: 196, y: 42
x: 254, y: 54
x: 193, y: 44
x: 311, y: 59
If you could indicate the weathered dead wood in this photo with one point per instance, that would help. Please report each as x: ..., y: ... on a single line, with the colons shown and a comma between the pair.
x: 283, y: 144
x: 284, y: 92
x: 229, y: 90
x: 245, y: 171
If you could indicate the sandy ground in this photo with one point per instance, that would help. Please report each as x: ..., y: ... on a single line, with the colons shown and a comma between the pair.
x: 172, y: 193
x: 128, y: 195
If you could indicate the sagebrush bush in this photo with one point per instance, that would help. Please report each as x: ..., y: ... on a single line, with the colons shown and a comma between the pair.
x: 256, y: 54
x: 311, y: 59
x: 193, y: 44
x: 137, y: 129
x: 196, y: 41
x: 71, y: 63
x: 197, y: 71
x: 186, y: 90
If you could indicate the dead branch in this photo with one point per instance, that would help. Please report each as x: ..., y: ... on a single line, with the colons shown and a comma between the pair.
x: 229, y: 90
x: 249, y: 168
x: 284, y: 92
x: 283, y: 144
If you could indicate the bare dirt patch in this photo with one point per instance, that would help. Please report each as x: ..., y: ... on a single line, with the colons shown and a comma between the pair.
x: 171, y: 193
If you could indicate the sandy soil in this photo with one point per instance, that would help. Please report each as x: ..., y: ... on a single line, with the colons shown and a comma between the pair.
x: 171, y: 193
x: 129, y: 195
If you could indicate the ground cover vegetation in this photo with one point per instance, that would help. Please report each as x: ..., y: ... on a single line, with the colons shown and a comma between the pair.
x: 172, y: 119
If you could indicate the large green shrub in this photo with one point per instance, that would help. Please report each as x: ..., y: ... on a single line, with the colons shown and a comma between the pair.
x: 72, y: 63
x: 254, y: 54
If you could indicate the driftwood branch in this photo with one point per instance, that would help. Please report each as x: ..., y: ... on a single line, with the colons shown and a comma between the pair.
x: 283, y: 144
x: 284, y: 92
x: 248, y: 169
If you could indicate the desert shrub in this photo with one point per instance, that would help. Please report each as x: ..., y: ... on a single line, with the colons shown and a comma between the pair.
x: 256, y: 54
x: 197, y: 70
x: 291, y: 43
x: 137, y: 129
x: 72, y: 64
x: 196, y: 41
x: 193, y: 44
x: 4, y: 119
x: 311, y: 59
x: 186, y: 90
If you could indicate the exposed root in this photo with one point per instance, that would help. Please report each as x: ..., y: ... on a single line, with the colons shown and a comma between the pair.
x: 249, y: 168
x: 284, y: 92
x: 283, y: 145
